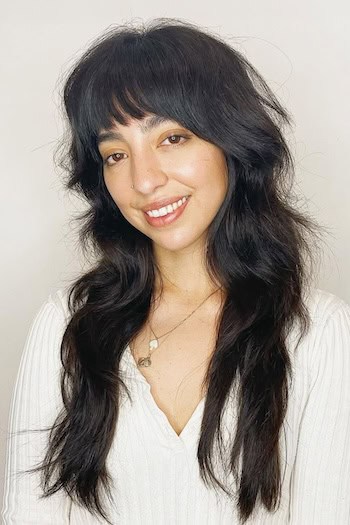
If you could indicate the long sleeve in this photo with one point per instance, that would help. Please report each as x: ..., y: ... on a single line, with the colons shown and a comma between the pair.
x: 320, y: 487
x: 35, y: 404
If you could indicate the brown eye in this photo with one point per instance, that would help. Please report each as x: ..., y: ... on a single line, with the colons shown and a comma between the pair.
x: 113, y: 159
x: 176, y: 142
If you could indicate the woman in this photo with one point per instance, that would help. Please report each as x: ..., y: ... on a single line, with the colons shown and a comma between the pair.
x: 203, y: 378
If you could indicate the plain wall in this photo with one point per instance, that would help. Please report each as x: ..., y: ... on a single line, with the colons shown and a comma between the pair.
x: 302, y: 50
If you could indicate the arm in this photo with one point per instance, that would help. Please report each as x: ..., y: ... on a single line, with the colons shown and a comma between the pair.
x: 35, y: 403
x: 320, y: 485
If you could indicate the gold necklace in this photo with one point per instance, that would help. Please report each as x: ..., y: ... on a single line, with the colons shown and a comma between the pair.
x: 153, y: 344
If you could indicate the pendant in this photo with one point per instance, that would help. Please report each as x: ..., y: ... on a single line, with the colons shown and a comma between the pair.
x: 144, y: 361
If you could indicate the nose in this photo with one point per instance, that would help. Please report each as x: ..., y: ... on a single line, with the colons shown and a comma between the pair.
x: 147, y: 173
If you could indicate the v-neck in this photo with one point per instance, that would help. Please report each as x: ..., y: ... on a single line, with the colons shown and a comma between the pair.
x: 131, y: 367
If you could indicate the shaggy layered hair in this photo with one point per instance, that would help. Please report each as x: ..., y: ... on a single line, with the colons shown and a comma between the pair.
x: 260, y: 248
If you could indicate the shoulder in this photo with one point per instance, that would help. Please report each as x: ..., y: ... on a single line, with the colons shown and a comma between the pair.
x: 50, y: 320
x: 324, y: 305
x: 40, y: 356
x: 325, y: 348
x: 58, y: 300
x: 329, y: 318
x: 325, y: 309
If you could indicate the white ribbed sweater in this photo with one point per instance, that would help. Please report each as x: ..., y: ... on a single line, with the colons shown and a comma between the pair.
x: 155, y: 472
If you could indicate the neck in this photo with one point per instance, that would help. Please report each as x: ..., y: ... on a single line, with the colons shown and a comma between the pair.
x: 183, y: 277
x: 183, y: 286
x: 190, y: 293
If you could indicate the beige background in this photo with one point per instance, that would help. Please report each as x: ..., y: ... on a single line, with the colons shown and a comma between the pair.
x: 302, y: 49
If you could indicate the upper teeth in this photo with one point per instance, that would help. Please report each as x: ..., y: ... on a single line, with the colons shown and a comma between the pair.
x: 166, y: 209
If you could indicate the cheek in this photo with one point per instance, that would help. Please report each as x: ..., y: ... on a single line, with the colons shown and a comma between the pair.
x: 212, y: 171
x: 199, y: 171
x: 120, y: 197
x: 116, y: 193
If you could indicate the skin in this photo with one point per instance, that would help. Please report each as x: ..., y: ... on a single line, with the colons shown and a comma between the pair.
x: 161, y: 167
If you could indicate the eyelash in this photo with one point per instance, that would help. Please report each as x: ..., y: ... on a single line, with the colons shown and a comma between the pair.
x: 106, y: 163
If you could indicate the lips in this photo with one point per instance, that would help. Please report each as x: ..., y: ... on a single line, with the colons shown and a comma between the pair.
x: 162, y: 202
x: 168, y: 219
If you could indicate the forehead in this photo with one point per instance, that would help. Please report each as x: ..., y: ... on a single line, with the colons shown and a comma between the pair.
x: 146, y: 125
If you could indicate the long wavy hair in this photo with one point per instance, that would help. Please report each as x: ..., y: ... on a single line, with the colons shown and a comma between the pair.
x: 259, y: 247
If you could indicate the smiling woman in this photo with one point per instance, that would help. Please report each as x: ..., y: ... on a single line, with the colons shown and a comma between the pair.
x: 193, y: 375
x: 153, y: 167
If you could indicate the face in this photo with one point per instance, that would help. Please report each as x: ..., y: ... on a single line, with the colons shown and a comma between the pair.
x: 164, y: 161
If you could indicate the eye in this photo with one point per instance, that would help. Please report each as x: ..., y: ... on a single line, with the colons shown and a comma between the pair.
x: 176, y: 137
x: 114, y: 158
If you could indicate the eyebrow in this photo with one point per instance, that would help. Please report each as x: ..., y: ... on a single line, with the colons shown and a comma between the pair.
x: 146, y: 126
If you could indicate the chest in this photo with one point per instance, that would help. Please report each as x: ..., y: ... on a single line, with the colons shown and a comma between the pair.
x: 178, y: 366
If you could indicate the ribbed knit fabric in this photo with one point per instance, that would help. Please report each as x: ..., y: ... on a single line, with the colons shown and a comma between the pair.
x: 155, y: 471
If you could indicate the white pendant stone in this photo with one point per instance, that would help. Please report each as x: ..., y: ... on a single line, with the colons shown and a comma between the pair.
x: 153, y: 344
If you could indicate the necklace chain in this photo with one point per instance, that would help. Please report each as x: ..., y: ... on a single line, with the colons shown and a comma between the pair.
x: 154, y: 343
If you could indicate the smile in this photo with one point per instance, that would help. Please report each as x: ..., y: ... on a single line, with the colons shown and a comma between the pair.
x: 168, y: 214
